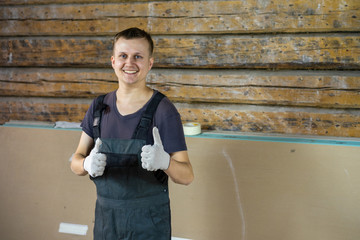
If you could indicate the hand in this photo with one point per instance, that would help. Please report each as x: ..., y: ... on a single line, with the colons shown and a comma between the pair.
x: 95, y: 163
x: 154, y: 157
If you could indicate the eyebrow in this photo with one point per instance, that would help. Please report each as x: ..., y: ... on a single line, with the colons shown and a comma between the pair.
x: 136, y: 53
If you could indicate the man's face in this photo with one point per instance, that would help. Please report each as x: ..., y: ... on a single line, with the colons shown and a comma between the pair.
x: 131, y: 60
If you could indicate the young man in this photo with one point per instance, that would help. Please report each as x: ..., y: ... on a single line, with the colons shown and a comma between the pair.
x: 132, y: 141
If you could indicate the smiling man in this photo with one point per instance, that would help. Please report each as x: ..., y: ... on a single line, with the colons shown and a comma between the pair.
x: 132, y: 141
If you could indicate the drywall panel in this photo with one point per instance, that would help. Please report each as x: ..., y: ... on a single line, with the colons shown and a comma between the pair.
x: 38, y: 189
x: 242, y: 189
x: 266, y: 190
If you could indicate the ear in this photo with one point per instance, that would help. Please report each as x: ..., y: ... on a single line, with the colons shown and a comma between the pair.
x: 151, y: 63
x: 112, y: 61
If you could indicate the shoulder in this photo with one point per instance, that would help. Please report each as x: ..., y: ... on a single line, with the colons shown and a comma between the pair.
x: 105, y: 98
x: 167, y: 108
x: 167, y: 114
x: 109, y: 97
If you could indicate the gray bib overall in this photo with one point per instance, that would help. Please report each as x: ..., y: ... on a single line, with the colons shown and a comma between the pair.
x: 132, y: 203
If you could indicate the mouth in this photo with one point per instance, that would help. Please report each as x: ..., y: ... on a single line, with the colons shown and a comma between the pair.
x: 130, y: 71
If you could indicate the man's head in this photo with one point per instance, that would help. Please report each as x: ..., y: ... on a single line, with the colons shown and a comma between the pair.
x: 132, y: 56
x: 133, y: 33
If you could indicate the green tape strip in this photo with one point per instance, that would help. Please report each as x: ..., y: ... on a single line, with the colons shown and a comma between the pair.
x: 337, y: 142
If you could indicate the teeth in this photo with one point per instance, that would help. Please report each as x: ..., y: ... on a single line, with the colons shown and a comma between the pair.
x: 130, y: 72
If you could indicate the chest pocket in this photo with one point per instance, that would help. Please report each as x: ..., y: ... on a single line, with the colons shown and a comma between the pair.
x: 122, y: 153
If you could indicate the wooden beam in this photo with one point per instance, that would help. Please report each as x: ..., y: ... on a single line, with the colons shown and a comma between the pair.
x: 180, y: 17
x: 283, y: 121
x: 37, y: 109
x: 235, y: 118
x: 334, y: 89
x: 56, y: 83
x: 44, y: 2
x: 262, y: 52
x: 281, y: 52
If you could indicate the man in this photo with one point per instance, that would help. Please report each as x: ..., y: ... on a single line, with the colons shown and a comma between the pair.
x: 132, y: 141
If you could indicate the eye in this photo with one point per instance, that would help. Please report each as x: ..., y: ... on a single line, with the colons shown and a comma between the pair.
x: 138, y: 57
x: 124, y: 56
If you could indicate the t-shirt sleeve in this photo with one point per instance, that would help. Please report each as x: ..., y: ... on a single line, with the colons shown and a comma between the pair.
x: 87, y: 122
x: 168, y: 121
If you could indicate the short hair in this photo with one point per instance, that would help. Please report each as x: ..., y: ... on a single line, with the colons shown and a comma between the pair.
x: 132, y: 33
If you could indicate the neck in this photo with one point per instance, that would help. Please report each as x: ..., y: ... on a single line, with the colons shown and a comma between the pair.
x: 130, y: 94
x: 130, y: 101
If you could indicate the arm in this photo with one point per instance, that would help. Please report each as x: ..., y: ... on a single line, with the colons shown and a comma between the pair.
x: 180, y: 169
x: 77, y: 162
x: 176, y: 165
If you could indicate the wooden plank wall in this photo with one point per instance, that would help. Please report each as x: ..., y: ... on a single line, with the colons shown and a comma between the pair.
x: 289, y: 67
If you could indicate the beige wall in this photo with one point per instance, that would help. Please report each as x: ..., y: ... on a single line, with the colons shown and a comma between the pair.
x: 250, y: 190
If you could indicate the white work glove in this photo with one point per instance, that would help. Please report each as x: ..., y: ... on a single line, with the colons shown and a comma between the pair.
x: 154, y: 157
x: 95, y: 163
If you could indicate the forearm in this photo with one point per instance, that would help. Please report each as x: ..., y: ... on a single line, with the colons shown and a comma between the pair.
x: 83, y: 150
x: 180, y: 172
x: 77, y: 164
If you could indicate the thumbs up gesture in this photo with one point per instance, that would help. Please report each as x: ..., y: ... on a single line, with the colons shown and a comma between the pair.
x: 95, y: 163
x: 154, y: 157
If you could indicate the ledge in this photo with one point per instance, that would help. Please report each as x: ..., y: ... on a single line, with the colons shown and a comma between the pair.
x: 322, y: 140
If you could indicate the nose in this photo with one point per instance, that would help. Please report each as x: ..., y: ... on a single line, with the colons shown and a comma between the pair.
x: 129, y: 61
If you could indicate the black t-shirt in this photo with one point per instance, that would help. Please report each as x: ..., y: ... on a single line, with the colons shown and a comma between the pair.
x: 114, y: 125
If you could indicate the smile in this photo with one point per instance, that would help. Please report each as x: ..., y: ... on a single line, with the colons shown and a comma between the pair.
x: 130, y: 71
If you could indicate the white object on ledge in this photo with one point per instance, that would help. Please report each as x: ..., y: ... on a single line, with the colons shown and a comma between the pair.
x: 64, y: 124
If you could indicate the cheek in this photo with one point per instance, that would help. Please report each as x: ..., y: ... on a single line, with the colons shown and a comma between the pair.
x: 117, y: 63
x: 117, y: 67
x: 147, y: 65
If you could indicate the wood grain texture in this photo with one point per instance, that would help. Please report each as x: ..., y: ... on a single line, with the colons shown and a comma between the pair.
x: 262, y: 52
x: 300, y: 121
x: 181, y: 17
x: 289, y: 67
x: 56, y: 83
x: 281, y: 52
x: 37, y: 109
x: 41, y: 2
x: 283, y: 88
x: 234, y: 118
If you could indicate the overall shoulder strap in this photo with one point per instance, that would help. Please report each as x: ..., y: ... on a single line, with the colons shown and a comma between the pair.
x: 142, y: 128
x: 99, y: 108
x: 142, y: 131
